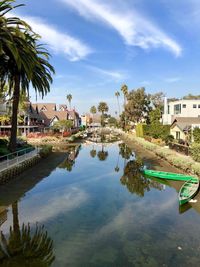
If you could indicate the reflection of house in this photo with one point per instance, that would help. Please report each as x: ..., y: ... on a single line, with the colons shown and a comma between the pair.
x: 182, y: 126
x: 180, y: 108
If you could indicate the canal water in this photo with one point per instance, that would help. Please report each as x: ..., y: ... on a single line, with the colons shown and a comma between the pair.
x: 91, y: 207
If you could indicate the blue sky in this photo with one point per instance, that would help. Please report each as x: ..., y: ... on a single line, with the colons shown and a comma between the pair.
x: 97, y: 45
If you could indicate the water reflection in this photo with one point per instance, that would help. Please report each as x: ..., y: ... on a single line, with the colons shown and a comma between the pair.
x: 25, y: 246
x: 102, y: 154
x: 69, y: 162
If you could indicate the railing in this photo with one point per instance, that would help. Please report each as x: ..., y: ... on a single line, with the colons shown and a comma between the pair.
x: 17, y: 157
x: 180, y: 148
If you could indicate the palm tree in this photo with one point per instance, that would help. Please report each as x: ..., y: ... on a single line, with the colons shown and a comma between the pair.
x: 117, y: 94
x: 124, y: 90
x: 103, y: 107
x: 21, y: 62
x: 102, y: 155
x: 69, y: 98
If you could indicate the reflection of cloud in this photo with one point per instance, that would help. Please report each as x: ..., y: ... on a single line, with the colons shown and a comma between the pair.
x: 54, y: 203
x: 131, y: 216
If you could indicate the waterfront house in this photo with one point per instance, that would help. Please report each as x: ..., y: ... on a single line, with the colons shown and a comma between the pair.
x: 182, y: 127
x: 180, y: 108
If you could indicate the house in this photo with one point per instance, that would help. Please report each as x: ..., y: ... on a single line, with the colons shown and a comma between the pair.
x: 50, y: 113
x: 182, y: 127
x: 29, y: 120
x: 180, y: 108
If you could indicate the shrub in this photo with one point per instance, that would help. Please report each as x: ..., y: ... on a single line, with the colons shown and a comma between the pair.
x: 139, y: 130
x: 195, y: 151
x: 168, y: 139
x: 163, y: 153
x: 196, y: 135
x: 3, y: 142
x: 156, y: 130
x: 180, y: 162
x: 45, y: 151
x: 196, y: 168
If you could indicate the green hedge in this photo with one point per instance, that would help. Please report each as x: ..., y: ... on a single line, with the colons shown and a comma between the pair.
x: 45, y: 151
x: 140, y: 130
x: 195, y: 151
x: 156, y: 130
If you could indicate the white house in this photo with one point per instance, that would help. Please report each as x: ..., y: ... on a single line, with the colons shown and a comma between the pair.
x: 180, y: 108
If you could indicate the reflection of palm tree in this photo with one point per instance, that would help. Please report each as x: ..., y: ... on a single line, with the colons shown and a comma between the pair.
x: 125, y: 152
x: 117, y: 166
x: 93, y: 153
x: 67, y: 164
x: 102, y: 155
x: 23, y: 248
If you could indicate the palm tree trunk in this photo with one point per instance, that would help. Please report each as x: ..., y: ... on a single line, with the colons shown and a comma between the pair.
x: 118, y: 105
x: 15, y: 105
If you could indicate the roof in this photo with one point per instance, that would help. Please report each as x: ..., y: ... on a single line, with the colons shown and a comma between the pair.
x: 185, y: 123
x: 49, y: 106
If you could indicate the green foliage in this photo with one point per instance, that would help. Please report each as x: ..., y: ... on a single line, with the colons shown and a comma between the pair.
x: 112, y: 121
x: 195, y: 151
x: 103, y: 107
x: 154, y: 116
x: 190, y: 96
x: 196, y: 135
x: 63, y: 125
x: 168, y: 139
x: 45, y: 151
x: 157, y: 100
x: 93, y: 110
x: 156, y: 130
x: 69, y: 98
x: 138, y: 105
x: 139, y: 130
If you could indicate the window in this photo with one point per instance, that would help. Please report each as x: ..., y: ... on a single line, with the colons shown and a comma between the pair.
x: 184, y: 105
x: 178, y: 135
x: 198, y: 106
x: 168, y: 109
x: 194, y: 106
x: 177, y: 109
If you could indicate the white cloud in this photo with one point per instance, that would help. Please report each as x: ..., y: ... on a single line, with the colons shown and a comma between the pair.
x: 60, y: 43
x: 113, y: 74
x: 135, y: 29
x: 172, y: 79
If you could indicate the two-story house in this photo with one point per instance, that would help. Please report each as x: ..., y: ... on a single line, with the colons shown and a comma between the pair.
x: 180, y: 108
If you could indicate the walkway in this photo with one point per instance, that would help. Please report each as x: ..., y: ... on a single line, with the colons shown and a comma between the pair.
x: 16, y: 158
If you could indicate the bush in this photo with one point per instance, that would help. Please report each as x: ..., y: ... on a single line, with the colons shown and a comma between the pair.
x: 139, y: 130
x: 3, y: 142
x: 45, y: 151
x: 195, y: 151
x: 156, y: 130
x: 196, y: 135
x: 168, y: 139
x: 180, y: 162
x: 196, y: 168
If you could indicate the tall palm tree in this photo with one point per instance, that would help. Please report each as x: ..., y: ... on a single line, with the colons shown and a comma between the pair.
x: 103, y: 107
x: 117, y: 94
x: 69, y: 98
x: 124, y: 90
x: 21, y: 63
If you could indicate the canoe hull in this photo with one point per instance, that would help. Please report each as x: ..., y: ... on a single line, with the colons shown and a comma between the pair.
x: 167, y: 175
x: 188, y: 191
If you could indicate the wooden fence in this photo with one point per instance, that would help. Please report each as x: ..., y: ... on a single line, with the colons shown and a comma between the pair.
x: 180, y: 148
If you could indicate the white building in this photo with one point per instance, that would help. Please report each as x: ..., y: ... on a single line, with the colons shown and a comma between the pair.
x: 180, y: 108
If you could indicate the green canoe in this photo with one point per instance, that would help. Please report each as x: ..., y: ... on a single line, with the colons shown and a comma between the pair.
x: 188, y: 190
x: 167, y: 175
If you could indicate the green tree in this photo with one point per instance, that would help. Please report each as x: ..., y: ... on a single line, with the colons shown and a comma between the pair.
x: 69, y: 98
x: 157, y: 100
x: 138, y: 106
x: 196, y: 135
x: 63, y: 125
x: 191, y: 97
x: 124, y: 90
x: 22, y: 61
x: 155, y: 116
x: 103, y: 107
x: 117, y: 94
x: 93, y: 110
x: 93, y: 153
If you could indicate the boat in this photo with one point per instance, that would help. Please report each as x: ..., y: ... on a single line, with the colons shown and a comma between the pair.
x: 188, y: 190
x: 167, y: 175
